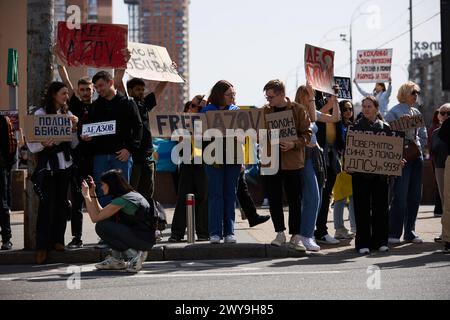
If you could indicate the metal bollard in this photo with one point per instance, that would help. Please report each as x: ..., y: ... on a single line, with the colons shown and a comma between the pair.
x: 190, y: 217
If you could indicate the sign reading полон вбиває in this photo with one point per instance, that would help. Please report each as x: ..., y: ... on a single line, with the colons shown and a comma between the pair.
x: 284, y: 122
x: 375, y: 151
x: 40, y: 128
x: 99, y: 129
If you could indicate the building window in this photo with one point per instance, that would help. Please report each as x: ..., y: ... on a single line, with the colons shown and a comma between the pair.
x: 92, y: 11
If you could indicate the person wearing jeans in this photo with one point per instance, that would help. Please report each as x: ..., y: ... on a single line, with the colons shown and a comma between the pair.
x: 338, y: 218
x: 113, y: 151
x: 106, y: 162
x: 222, y: 177
x: 407, y: 190
x: 314, y: 171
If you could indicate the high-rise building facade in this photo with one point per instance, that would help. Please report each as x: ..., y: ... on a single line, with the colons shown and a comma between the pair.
x: 165, y: 23
x: 427, y: 73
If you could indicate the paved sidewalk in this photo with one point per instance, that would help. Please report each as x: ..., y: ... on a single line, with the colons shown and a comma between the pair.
x: 252, y: 243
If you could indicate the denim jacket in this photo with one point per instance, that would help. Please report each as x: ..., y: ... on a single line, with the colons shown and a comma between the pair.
x: 419, y: 136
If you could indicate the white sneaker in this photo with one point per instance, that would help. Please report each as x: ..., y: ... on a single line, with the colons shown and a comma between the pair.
x: 383, y: 249
x: 265, y: 204
x: 111, y: 263
x: 296, y: 244
x: 364, y: 251
x: 230, y: 239
x: 327, y: 239
x: 343, y: 234
x: 214, y: 239
x: 310, y: 244
x: 416, y: 240
x: 135, y: 264
x: 279, y: 240
x: 394, y: 241
x: 144, y: 256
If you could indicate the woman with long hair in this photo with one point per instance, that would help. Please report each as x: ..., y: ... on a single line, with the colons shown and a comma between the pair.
x: 52, y: 175
x: 314, y: 172
x: 342, y: 190
x: 222, y: 177
x: 380, y: 93
x: 439, y: 152
x: 132, y: 232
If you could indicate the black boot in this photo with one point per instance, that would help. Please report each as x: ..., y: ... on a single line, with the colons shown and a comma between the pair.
x: 258, y: 220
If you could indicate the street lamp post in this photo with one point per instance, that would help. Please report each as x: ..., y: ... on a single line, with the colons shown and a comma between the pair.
x: 353, y: 18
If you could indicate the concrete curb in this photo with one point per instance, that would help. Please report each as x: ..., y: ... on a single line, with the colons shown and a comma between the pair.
x: 160, y: 253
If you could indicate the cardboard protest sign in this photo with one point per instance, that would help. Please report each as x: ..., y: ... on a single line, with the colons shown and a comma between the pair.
x: 97, y: 45
x: 345, y: 87
x: 373, y: 65
x: 236, y: 119
x: 163, y: 124
x: 152, y: 63
x: 43, y: 127
x: 405, y: 123
x: 284, y: 121
x: 99, y: 129
x: 319, y: 65
x: 14, y: 117
x: 377, y: 152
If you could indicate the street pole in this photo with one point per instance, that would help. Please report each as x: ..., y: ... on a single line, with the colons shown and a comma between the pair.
x: 410, y: 35
x: 351, y: 54
x: 39, y: 75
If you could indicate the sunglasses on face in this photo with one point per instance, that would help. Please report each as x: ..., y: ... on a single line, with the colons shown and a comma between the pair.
x: 415, y: 92
x: 444, y: 113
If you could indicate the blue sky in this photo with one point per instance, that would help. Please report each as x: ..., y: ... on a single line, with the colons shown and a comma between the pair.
x: 249, y: 42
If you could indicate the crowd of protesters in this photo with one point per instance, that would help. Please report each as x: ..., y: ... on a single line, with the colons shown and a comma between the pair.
x: 113, y: 175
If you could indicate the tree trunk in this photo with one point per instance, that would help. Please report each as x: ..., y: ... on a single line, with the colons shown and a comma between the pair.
x: 39, y: 74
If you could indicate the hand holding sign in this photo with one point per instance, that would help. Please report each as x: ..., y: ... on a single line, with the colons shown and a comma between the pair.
x: 48, y: 143
x: 309, y: 89
x: 74, y: 120
x: 286, y: 145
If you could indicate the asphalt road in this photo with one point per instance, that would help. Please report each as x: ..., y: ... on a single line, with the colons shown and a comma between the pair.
x: 341, y: 276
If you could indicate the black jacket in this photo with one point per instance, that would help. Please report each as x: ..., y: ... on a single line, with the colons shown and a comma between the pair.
x: 128, y: 124
x: 146, y: 148
x: 444, y: 133
x: 363, y: 124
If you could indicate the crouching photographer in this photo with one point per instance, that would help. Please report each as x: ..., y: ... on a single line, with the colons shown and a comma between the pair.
x: 131, y: 232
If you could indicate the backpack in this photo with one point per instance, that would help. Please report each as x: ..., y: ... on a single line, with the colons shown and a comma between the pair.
x: 8, y: 142
x: 149, y: 216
